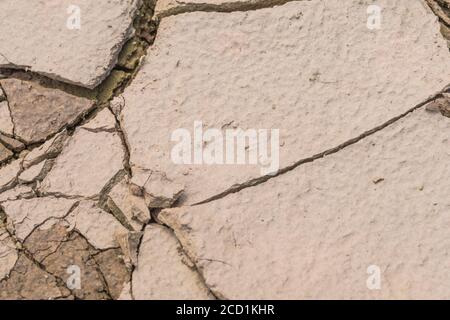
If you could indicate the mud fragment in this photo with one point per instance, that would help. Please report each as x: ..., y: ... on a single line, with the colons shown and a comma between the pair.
x: 20, y: 191
x: 8, y: 253
x: 311, y: 69
x: 12, y: 144
x: 52, y: 109
x: 131, y: 207
x: 163, y: 271
x: 129, y: 243
x: 114, y: 271
x: 159, y: 191
x: 5, y: 154
x: 74, y: 173
x: 28, y: 281
x: 312, y: 233
x: 441, y: 105
x: 97, y: 226
x: 48, y: 150
x: 25, y: 215
x: 33, y: 173
x: 64, y: 253
x: 8, y: 174
x: 6, y: 124
x: 103, y: 121
x: 76, y: 42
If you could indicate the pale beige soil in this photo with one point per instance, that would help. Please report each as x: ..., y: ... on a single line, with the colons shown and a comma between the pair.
x: 87, y: 183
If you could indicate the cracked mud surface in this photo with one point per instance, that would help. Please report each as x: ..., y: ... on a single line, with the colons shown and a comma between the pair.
x: 93, y: 207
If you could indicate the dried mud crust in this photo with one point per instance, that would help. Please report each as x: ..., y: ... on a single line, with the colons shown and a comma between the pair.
x: 84, y: 181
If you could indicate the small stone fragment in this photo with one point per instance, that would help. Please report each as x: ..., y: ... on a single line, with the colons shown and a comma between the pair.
x: 162, y: 272
x: 52, y: 109
x: 75, y: 173
x: 99, y: 227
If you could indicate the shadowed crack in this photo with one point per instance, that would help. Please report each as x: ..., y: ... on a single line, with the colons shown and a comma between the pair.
x: 248, y: 5
x: 126, y: 147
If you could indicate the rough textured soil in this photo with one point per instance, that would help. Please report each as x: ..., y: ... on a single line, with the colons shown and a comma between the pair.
x: 93, y: 206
